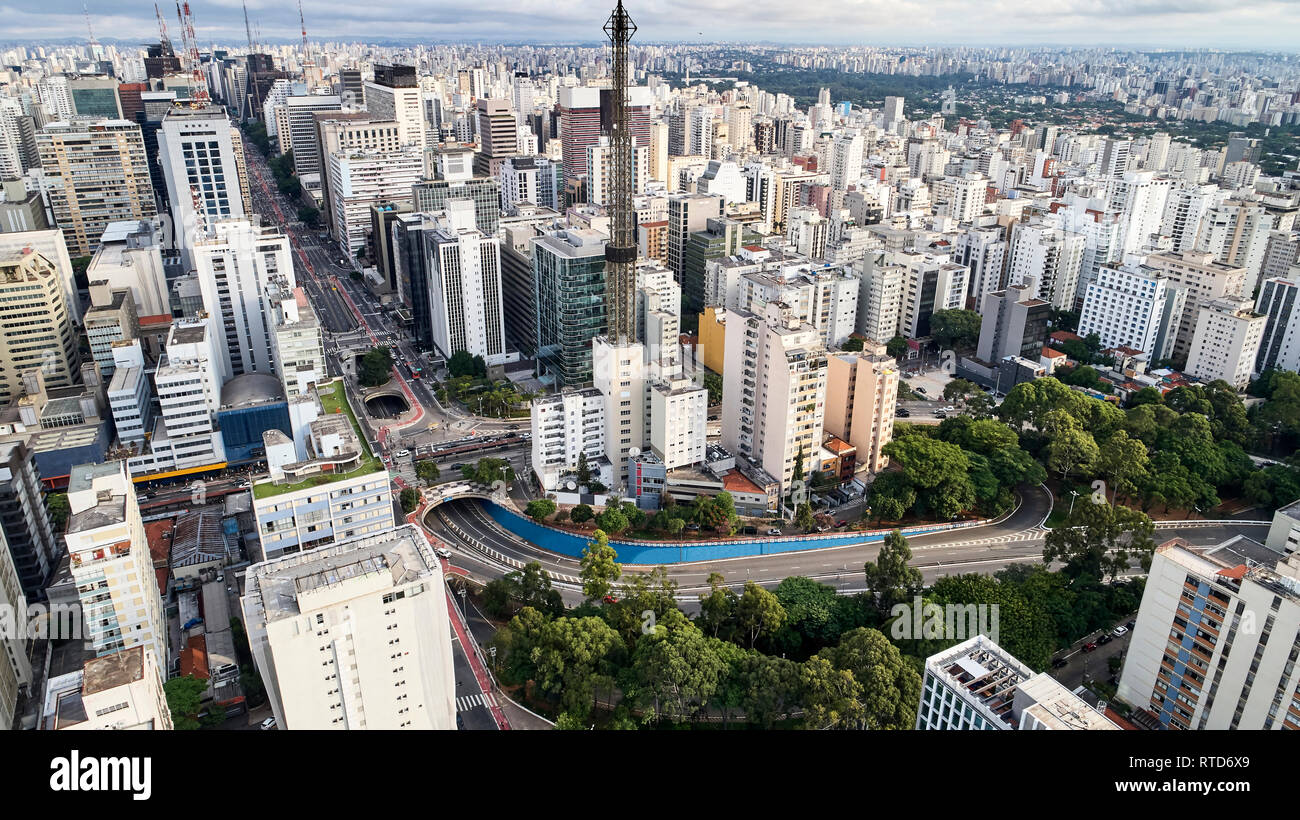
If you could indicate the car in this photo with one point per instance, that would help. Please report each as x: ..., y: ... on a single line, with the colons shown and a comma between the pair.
x: 774, y: 531
x: 1119, y: 630
x: 442, y: 552
x: 1131, y: 624
x: 609, y: 599
x: 950, y: 409
x: 940, y: 414
x: 1088, y: 647
x: 402, y: 453
x: 843, y: 522
x: 921, y: 390
x: 1058, y: 663
x: 269, y: 723
x: 1105, y: 639
x: 457, y: 466
x: 822, y: 528
x: 903, y: 413
x: 693, y: 527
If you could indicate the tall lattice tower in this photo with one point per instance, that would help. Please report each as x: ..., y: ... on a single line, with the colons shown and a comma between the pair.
x: 620, y: 253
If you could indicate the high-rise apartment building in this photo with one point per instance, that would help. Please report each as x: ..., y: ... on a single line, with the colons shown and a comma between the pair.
x: 360, y: 178
x: 15, y: 666
x: 566, y: 427
x: 1013, y: 323
x: 32, y: 298
x: 861, y: 394
x: 585, y: 116
x: 1051, y: 256
x: 1279, y: 300
x: 202, y: 159
x: 354, y: 635
x: 1206, y: 280
x: 1134, y: 307
x: 1226, y: 342
x: 122, y: 690
x: 95, y: 174
x: 31, y: 548
x: 394, y: 95
x: 110, y: 562
x: 1201, y: 656
x: 464, y: 287
x: 774, y: 390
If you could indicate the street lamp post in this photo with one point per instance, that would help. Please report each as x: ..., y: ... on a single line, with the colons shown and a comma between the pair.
x: 462, y: 601
x: 1073, y: 495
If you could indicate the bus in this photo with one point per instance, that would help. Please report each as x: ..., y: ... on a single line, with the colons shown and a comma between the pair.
x: 416, y: 370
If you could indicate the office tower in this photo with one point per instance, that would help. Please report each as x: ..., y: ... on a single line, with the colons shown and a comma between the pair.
x: 1226, y: 342
x: 122, y: 690
x: 15, y: 667
x: 299, y: 345
x: 774, y: 390
x: 345, y: 131
x: 1014, y: 323
x: 880, y: 298
x: 95, y: 173
x: 1135, y: 307
x: 586, y: 114
x: 982, y: 251
x: 1237, y: 233
x: 95, y: 96
x: 720, y: 238
x: 529, y: 179
x: 20, y: 210
x: 569, y: 278
x: 323, y: 483
x: 130, y: 401
x: 567, y: 426
x: 110, y: 562
x: 302, y: 136
x: 455, y: 179
x: 933, y: 283
x: 202, y: 162
x: 498, y: 135
x: 354, y: 635
x: 31, y: 297
x: 130, y: 257
x: 892, y: 114
x: 1280, y: 345
x: 395, y: 95
x: 111, y: 318
x: 237, y: 263
x: 1052, y: 257
x: 688, y: 214
x: 861, y: 393
x: 50, y: 244
x: 1139, y: 198
x: 1201, y: 656
x: 978, y: 685
x: 31, y: 548
x: 361, y: 177
x: 464, y: 287
x: 413, y: 266
x: 352, y: 90
x: 1241, y: 149
x: 1206, y: 280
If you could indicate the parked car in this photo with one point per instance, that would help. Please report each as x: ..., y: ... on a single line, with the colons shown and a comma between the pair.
x: 774, y: 531
x: 402, y: 453
x: 1088, y: 647
x: 843, y: 522
x: 822, y: 528
x: 1120, y: 630
x: 442, y: 552
x: 920, y: 390
x: 1131, y: 624
x: 609, y: 599
x: 693, y: 527
x: 269, y: 723
x: 903, y: 413
x: 1058, y: 663
x: 1105, y: 639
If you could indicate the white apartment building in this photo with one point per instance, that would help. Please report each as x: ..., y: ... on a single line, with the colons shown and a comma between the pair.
x: 1206, y: 280
x: 600, y: 171
x: 826, y: 298
x: 1280, y: 345
x: 1185, y: 211
x: 465, y: 288
x: 1201, y: 656
x: 15, y: 668
x: 960, y: 198
x: 880, y: 297
x: 297, y: 342
x: 1226, y: 342
x: 123, y: 690
x: 1052, y: 256
x: 358, y: 179
x: 978, y: 685
x: 1237, y: 233
x: 354, y: 635
x: 130, y: 256
x: 565, y: 426
x: 774, y: 390
x: 658, y: 302
x: 1135, y: 307
x: 623, y: 375
x: 1139, y: 198
x: 403, y: 106
x: 110, y: 562
x: 846, y: 160
x: 982, y: 251
x: 934, y: 282
x: 678, y: 421
x: 238, y: 264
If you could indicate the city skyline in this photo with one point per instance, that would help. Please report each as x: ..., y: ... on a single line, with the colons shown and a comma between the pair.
x: 1012, y: 23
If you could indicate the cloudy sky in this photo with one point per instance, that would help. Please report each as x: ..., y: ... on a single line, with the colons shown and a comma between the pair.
x: 1255, y: 24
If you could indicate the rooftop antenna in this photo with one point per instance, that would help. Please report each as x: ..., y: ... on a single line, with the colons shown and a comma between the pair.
x: 306, y: 51
x: 620, y: 251
x: 89, y: 30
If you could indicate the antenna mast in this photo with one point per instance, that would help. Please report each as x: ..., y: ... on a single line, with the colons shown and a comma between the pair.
x: 621, y: 250
x: 306, y: 50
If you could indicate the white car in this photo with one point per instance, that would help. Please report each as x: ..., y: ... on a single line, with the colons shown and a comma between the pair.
x: 402, y: 453
x: 1119, y: 630
x: 442, y: 552
x: 269, y: 723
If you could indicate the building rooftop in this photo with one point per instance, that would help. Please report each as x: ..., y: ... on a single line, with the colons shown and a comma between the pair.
x: 251, y: 390
x: 111, y: 671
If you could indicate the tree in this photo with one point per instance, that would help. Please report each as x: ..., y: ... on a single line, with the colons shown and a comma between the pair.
x: 758, y: 613
x: 581, y: 513
x: 713, y: 383
x: 830, y: 696
x: 1100, y: 539
x: 891, y: 579
x: 464, y: 363
x: 1072, y: 450
x: 960, y: 390
x: 612, y: 520
x: 428, y: 472
x: 769, y: 687
x: 57, y: 504
x: 957, y: 329
x: 1147, y: 395
x: 853, y: 344
x: 584, y: 470
x: 575, y: 658
x: 890, y: 688
x: 675, y: 669
x: 488, y: 471
x: 185, y: 700
x: 600, y: 568
x: 1122, y: 461
x: 896, y: 346
x: 717, y: 606
x: 376, y: 367
x: 409, y: 499
x: 540, y: 509
x: 676, y: 525
x: 803, y: 517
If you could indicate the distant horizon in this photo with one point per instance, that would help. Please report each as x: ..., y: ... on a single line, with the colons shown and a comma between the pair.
x: 1127, y: 25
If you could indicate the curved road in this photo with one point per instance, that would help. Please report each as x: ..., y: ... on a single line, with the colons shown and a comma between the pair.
x: 987, y: 549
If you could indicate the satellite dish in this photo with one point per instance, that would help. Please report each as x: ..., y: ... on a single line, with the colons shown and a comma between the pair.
x: 633, y: 452
x: 572, y: 485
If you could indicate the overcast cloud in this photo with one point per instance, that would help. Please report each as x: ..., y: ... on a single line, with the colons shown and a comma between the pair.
x: 1256, y: 24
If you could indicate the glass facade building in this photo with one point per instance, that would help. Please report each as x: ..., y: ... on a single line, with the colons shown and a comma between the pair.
x: 569, y: 291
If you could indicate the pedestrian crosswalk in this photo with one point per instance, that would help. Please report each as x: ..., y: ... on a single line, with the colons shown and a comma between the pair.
x: 467, y: 702
x: 1025, y: 535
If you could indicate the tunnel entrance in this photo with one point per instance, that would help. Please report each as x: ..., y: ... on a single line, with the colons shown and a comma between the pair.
x: 386, y: 406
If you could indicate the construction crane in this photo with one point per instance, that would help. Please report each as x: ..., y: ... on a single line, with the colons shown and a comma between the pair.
x: 199, y: 97
x: 164, y: 42
x: 249, y: 31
